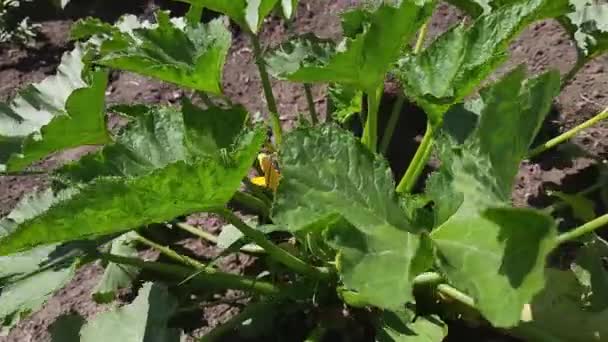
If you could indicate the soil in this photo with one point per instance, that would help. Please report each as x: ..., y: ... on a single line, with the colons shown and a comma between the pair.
x: 542, y: 46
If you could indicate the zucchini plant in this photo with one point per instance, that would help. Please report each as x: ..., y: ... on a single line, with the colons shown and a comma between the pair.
x: 324, y: 212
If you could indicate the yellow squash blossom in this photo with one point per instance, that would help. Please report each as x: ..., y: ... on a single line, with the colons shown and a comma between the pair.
x: 271, y: 173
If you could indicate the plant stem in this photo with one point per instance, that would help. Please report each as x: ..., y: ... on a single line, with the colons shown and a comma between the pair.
x: 171, y: 253
x: 370, y: 133
x: 569, y: 134
x: 270, y: 100
x: 428, y: 278
x: 392, y: 124
x: 394, y: 118
x: 213, y: 239
x: 583, y: 230
x: 311, y: 104
x: 273, y: 250
x: 252, y: 203
x: 194, y: 14
x: 417, y: 164
x: 455, y: 294
x: 206, y: 100
x: 215, y: 280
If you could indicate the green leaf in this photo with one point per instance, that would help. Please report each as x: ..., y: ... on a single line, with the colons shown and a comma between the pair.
x: 327, y: 173
x: 588, y: 25
x: 363, y: 60
x: 66, y: 328
x: 344, y: 102
x: 591, y: 272
x: 558, y: 313
x: 154, y: 172
x: 475, y: 8
x: 404, y: 326
x: 289, y: 7
x: 456, y: 63
x: 144, y: 320
x: 191, y: 56
x: 229, y: 236
x: 583, y: 209
x: 63, y: 111
x: 116, y: 276
x: 299, y: 52
x: 249, y: 14
x: 491, y: 251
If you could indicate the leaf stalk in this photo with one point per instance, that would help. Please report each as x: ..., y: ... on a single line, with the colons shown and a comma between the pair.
x: 171, y: 253
x: 370, y: 133
x: 213, y: 239
x: 275, y: 121
x: 414, y: 170
x: 311, y: 104
x: 273, y: 250
x: 569, y: 134
x: 583, y: 229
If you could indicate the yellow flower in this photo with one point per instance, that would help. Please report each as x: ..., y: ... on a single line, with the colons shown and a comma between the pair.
x: 271, y: 174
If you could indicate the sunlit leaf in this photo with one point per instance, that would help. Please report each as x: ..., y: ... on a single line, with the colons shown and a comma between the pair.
x: 327, y: 173
x: 492, y: 251
x: 63, y: 111
x: 456, y: 63
x: 191, y: 56
x: 249, y: 14
x: 159, y: 168
x: 144, y: 320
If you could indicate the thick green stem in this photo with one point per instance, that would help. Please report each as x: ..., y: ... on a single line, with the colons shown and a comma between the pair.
x: 213, y: 239
x: 273, y: 250
x: 370, y: 133
x: 583, y: 230
x: 569, y: 134
x: 172, y: 254
x: 394, y: 118
x: 428, y: 278
x: 275, y: 121
x: 252, y: 203
x: 417, y: 164
x: 581, y: 60
x: 455, y: 294
x: 392, y: 124
x: 311, y: 104
x: 206, y: 100
x: 200, y: 279
x: 194, y: 14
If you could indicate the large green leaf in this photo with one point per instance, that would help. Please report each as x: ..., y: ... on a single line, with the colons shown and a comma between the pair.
x: 29, y: 279
x: 249, y: 14
x: 144, y: 320
x: 457, y: 62
x: 191, y: 56
x: 363, y: 59
x: 158, y: 169
x: 116, y: 276
x: 299, y: 52
x: 64, y: 110
x: 588, y: 25
x: 559, y: 313
x: 494, y: 252
x: 327, y: 173
x: 405, y: 326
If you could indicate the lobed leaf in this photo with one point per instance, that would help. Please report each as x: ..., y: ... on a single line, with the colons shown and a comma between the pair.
x: 144, y: 320
x: 326, y: 174
x: 343, y: 102
x: 116, y: 276
x: 363, y: 59
x: 36, y: 122
x: 460, y: 59
x: 158, y: 169
x: 588, y: 25
x: 191, y: 56
x: 494, y: 252
x: 249, y: 14
x: 558, y: 313
x: 405, y: 326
